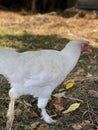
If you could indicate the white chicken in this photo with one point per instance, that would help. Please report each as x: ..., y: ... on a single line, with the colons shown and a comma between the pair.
x: 38, y: 73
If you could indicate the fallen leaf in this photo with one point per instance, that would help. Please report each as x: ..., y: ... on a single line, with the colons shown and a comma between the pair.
x: 82, y: 61
x: 89, y: 75
x: 59, y: 108
x: 18, y: 112
x: 86, y: 125
x: 72, y: 107
x: 96, y: 119
x: 69, y: 85
x: 93, y: 93
x: 43, y: 127
x: 58, y: 103
x: 86, y: 122
x: 35, y: 124
x: 32, y: 114
x: 77, y: 126
x: 58, y: 95
x: 79, y: 71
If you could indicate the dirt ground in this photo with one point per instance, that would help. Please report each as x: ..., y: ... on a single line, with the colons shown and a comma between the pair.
x: 25, y: 31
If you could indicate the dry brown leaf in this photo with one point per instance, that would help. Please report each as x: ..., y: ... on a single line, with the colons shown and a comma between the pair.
x: 18, y: 112
x: 96, y: 119
x: 77, y: 126
x: 43, y: 127
x: 79, y: 71
x: 58, y: 103
x: 31, y: 114
x: 86, y: 125
x: 93, y: 93
x: 58, y: 107
x: 35, y: 124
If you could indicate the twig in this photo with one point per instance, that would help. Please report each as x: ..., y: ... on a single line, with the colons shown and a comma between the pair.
x: 76, y: 99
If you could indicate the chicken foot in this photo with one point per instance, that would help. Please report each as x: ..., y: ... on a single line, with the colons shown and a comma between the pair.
x: 10, y: 113
x: 42, y: 102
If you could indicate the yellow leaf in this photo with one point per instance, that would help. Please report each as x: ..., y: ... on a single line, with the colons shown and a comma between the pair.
x: 69, y: 85
x: 72, y: 107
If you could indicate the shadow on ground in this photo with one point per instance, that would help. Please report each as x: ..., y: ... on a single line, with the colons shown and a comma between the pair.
x: 33, y: 42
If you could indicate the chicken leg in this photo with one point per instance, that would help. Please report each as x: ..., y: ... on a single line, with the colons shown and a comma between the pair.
x: 10, y: 113
x: 42, y: 102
